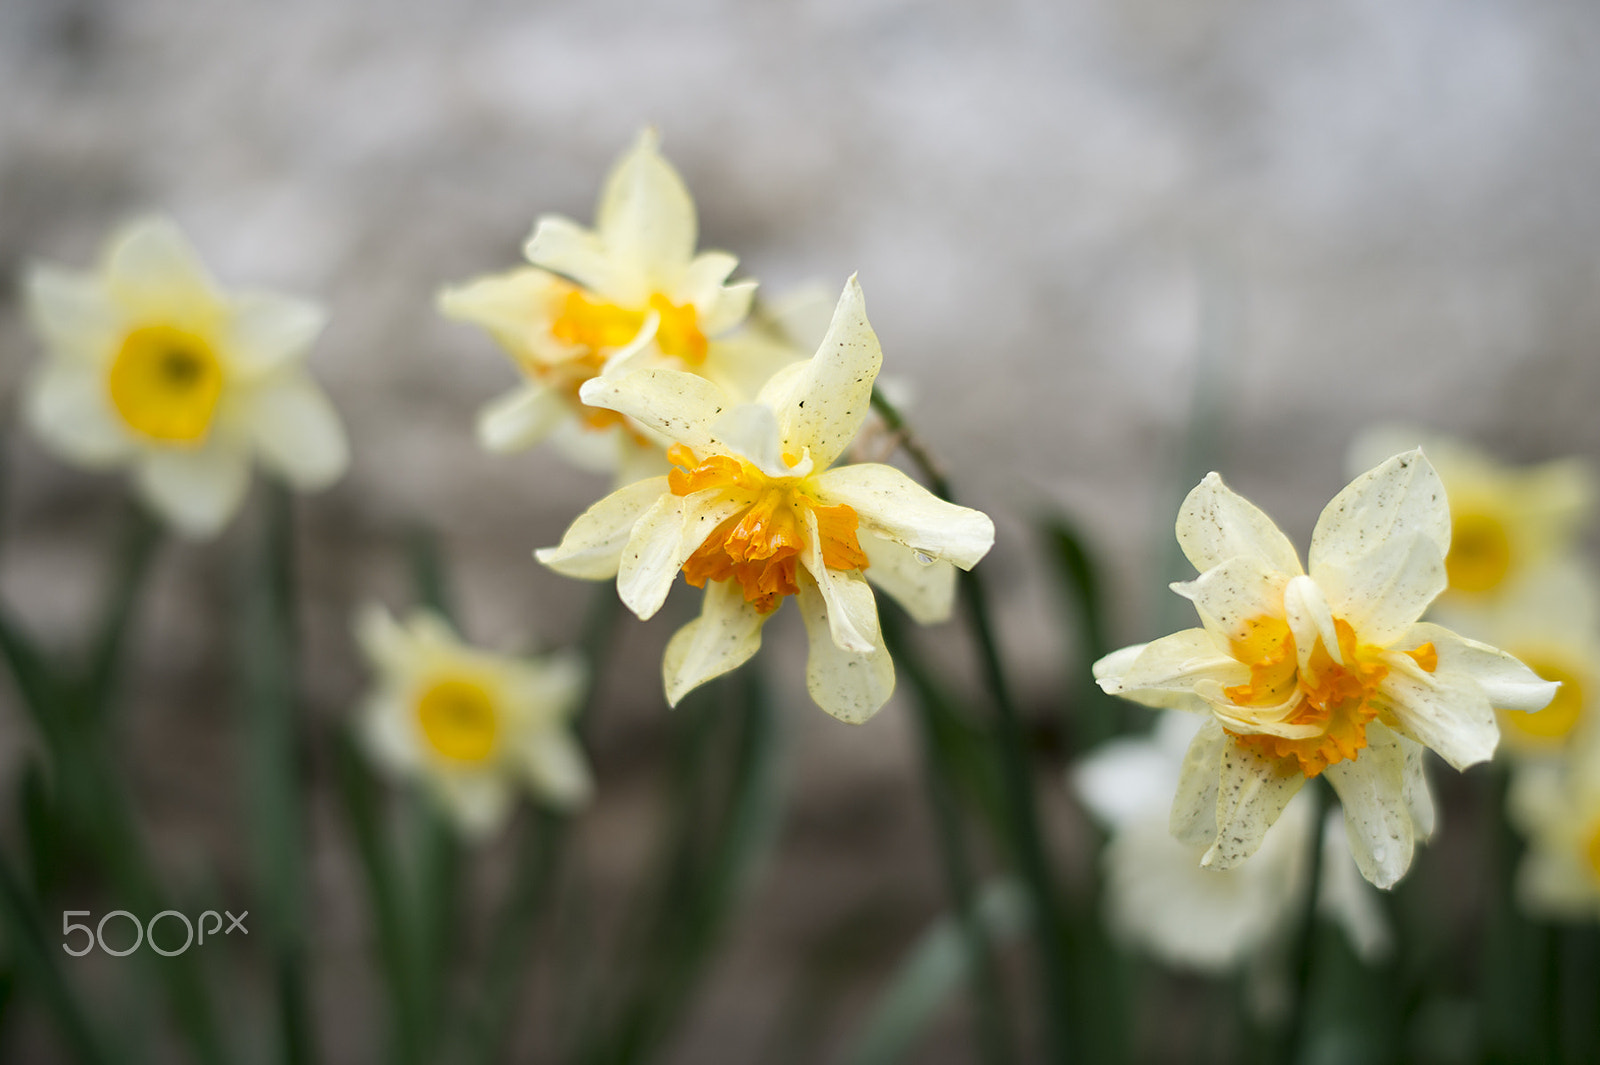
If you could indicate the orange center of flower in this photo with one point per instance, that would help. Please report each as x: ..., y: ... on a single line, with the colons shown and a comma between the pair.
x: 1333, y: 697
x: 458, y: 720
x: 1556, y: 721
x: 1480, y: 552
x: 760, y: 546
x: 166, y: 383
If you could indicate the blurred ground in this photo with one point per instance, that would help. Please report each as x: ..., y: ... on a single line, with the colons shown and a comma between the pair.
x: 1064, y: 216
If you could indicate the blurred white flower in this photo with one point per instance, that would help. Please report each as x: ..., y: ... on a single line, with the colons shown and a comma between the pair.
x: 630, y: 293
x: 1160, y: 899
x: 150, y: 365
x: 1556, y: 804
x: 754, y: 514
x: 1330, y: 672
x: 475, y: 727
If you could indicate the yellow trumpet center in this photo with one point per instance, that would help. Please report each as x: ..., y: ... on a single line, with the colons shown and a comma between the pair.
x: 1480, y: 552
x: 166, y: 384
x: 760, y: 546
x: 596, y: 325
x: 458, y: 720
x: 1334, y: 697
x: 1552, y: 725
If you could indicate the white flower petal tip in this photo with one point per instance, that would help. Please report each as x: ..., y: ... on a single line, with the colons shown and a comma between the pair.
x: 149, y: 365
x: 472, y: 726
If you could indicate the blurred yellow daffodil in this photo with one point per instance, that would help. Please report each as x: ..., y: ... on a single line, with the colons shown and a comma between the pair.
x: 754, y: 514
x: 1328, y: 672
x: 150, y: 365
x: 1557, y: 806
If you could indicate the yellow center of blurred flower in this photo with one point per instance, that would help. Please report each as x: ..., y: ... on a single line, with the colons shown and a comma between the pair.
x: 1335, y: 698
x: 1480, y: 552
x: 760, y: 546
x: 586, y: 323
x: 166, y: 384
x: 1552, y: 725
x: 458, y: 720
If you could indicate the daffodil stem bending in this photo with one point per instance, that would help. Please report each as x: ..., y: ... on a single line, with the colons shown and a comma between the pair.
x: 1302, y: 961
x: 1027, y: 841
x: 993, y: 1035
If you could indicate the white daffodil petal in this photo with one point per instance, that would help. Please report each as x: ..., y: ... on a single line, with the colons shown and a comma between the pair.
x: 1506, y: 682
x: 702, y: 284
x: 547, y: 691
x: 386, y: 730
x: 1193, y: 819
x: 646, y: 215
x: 828, y: 400
x: 1344, y: 897
x: 1418, y: 796
x: 382, y: 639
x: 1252, y: 791
x: 680, y: 406
x: 1444, y: 711
x: 508, y: 304
x: 750, y: 430
x: 66, y: 404
x: 893, y: 506
x: 521, y: 418
x: 926, y: 589
x: 197, y: 491
x: 1399, y: 498
x: 1383, y: 593
x: 1233, y: 595
x: 725, y: 635
x: 267, y: 331
x: 557, y: 770
x: 852, y: 687
x: 478, y: 802
x: 663, y: 539
x: 153, y: 267
x: 852, y: 610
x: 563, y: 247
x: 1377, y: 822
x: 1122, y: 781
x: 1171, y: 664
x: 1215, y: 524
x: 1556, y: 886
x: 730, y: 307
x: 593, y: 544
x: 297, y: 432
x: 73, y: 313
x: 1310, y: 619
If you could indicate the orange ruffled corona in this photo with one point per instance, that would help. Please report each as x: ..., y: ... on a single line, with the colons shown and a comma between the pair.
x: 1336, y: 698
x: 760, y: 546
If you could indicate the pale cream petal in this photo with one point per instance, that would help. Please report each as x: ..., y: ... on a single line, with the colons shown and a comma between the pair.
x: 563, y: 247
x: 1401, y: 497
x: 66, y: 404
x: 646, y: 217
x: 852, y: 687
x: 663, y: 539
x: 196, y: 491
x: 514, y: 306
x: 153, y: 271
x: 385, y: 643
x: 73, y: 313
x: 1348, y: 900
x: 1123, y: 781
x: 1553, y: 885
x: 1252, y: 791
x: 893, y: 506
x: 267, y: 331
x: 722, y: 638
x: 1193, y: 819
x: 1444, y: 711
x: 1310, y: 619
x: 750, y: 430
x: 546, y: 691
x: 743, y: 362
x: 1171, y: 664
x: 703, y: 285
x: 1377, y: 821
x: 926, y: 589
x: 679, y: 406
x: 557, y: 770
x: 477, y: 802
x: 593, y: 544
x: 297, y: 433
x: 1383, y: 593
x: 1506, y: 682
x: 1418, y: 795
x: 829, y: 398
x: 1231, y: 596
x: 1115, y: 664
x: 521, y: 418
x: 1215, y: 524
x: 386, y: 732
x: 730, y: 307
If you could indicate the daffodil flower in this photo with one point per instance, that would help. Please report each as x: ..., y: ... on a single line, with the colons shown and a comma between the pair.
x: 150, y: 365
x: 754, y: 514
x: 1159, y: 898
x: 1557, y: 806
x: 475, y: 727
x: 1301, y: 674
x: 632, y: 292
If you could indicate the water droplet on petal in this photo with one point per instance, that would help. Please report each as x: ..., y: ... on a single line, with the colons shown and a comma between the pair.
x: 923, y: 557
x: 1378, y: 854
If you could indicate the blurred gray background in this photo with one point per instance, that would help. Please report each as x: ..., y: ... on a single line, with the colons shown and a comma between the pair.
x: 1077, y: 225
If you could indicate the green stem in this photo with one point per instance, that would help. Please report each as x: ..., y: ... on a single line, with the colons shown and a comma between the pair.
x: 956, y: 860
x: 1028, y: 843
x: 1301, y: 962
